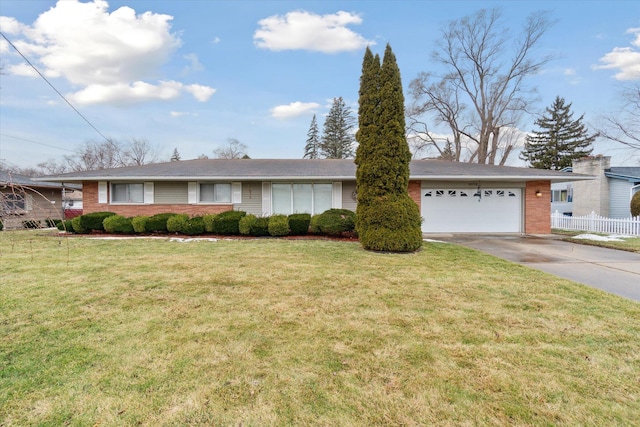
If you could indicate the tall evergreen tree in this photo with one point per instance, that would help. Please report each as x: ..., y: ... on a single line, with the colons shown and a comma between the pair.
x: 337, y: 134
x: 312, y: 149
x: 560, y: 139
x: 175, y: 156
x: 387, y: 218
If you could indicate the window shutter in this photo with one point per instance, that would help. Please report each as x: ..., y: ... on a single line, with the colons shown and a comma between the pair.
x: 148, y: 192
x: 266, y: 198
x: 193, y: 192
x: 337, y: 195
x: 236, y: 192
x: 102, y: 192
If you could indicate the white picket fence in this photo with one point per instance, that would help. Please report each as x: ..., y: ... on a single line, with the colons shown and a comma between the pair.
x: 597, y: 224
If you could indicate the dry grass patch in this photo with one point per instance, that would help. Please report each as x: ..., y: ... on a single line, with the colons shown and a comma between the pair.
x: 280, y: 332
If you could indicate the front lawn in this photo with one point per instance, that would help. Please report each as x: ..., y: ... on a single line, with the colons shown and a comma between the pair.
x: 303, y: 332
x: 625, y: 243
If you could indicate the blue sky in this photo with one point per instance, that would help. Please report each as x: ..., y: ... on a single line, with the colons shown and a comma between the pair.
x: 193, y: 73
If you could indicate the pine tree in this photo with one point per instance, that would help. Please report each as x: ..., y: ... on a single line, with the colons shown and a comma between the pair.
x: 175, y: 156
x: 387, y: 218
x: 311, y: 150
x: 337, y: 135
x: 560, y: 139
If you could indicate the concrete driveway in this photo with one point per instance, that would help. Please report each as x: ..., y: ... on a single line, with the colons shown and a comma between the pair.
x: 611, y: 270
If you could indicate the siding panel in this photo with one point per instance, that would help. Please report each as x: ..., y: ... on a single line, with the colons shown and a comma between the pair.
x: 619, y: 193
x: 348, y: 190
x: 167, y: 193
x: 251, y: 198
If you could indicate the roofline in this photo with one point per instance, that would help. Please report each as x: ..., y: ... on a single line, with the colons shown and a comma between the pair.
x: 620, y: 176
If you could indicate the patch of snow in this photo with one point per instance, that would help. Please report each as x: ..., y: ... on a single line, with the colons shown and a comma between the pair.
x: 187, y: 240
x: 610, y: 238
x: 433, y: 241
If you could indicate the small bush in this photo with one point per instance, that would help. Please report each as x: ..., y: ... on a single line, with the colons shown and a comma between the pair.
x: 1, y: 225
x: 65, y: 226
x: 51, y: 223
x: 227, y: 223
x: 77, y: 226
x: 176, y: 223
x: 194, y: 226
x: 313, y: 225
x: 261, y: 226
x: 245, y: 224
x: 299, y: 223
x: 635, y: 204
x: 208, y: 222
x: 279, y: 225
x: 335, y: 222
x: 139, y: 223
x: 93, y: 221
x: 117, y: 224
x: 158, y: 223
x: 30, y: 223
x: 393, y: 225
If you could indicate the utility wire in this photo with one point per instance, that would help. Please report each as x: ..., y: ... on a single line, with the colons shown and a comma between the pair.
x: 39, y: 143
x: 53, y: 87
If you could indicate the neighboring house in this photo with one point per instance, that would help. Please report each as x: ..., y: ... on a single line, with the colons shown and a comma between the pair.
x: 453, y: 197
x: 608, y: 195
x: 22, y: 198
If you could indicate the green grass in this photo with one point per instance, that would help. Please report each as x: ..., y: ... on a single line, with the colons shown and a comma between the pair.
x: 294, y: 332
x: 630, y: 244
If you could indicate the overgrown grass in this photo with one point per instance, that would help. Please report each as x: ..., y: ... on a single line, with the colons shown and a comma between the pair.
x: 631, y: 244
x: 281, y: 332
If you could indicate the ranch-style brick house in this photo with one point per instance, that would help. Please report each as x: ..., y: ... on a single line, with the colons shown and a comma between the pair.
x: 453, y: 197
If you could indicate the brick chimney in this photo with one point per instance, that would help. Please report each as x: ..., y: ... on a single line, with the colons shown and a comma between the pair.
x: 591, y: 196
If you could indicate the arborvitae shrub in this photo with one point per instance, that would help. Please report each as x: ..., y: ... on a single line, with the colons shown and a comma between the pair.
x: 393, y: 226
x: 635, y: 204
x: 335, y: 222
x: 278, y: 225
x: 260, y: 227
x: 77, y: 226
x: 227, y: 223
x: 158, y: 223
x: 30, y: 223
x: 139, y: 223
x: 208, y: 222
x: 299, y: 223
x: 194, y: 226
x: 93, y: 221
x: 176, y: 223
x: 245, y: 224
x: 117, y: 224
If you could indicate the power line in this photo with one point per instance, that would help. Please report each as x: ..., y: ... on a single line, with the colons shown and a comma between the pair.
x: 39, y: 143
x: 53, y: 87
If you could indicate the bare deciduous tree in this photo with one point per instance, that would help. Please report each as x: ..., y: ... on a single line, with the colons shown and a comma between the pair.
x: 482, y: 90
x: 233, y: 150
x: 139, y: 151
x: 623, y: 126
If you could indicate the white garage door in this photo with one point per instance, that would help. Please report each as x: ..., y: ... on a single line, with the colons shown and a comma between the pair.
x: 488, y: 210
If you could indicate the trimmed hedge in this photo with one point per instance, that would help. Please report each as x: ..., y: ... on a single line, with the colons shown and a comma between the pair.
x: 65, y: 226
x: 261, y: 226
x: 77, y: 226
x: 176, y: 223
x: 278, y: 225
x: 227, y: 223
x: 393, y: 226
x: 208, y: 222
x: 158, y: 223
x: 245, y: 224
x: 635, y: 204
x: 299, y: 223
x: 334, y: 222
x: 194, y: 226
x: 117, y: 224
x: 139, y: 223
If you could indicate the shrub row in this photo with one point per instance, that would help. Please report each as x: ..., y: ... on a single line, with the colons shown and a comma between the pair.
x: 334, y: 222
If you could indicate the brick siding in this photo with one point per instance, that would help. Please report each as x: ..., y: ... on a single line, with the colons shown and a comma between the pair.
x: 537, y: 210
x: 415, y: 192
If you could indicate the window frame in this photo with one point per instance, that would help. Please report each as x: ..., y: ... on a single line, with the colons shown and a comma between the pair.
x: 215, y: 186
x: 291, y: 196
x: 112, y: 193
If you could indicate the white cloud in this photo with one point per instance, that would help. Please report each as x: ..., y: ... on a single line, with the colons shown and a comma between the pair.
x: 302, y: 30
x: 293, y: 110
x: 195, y: 64
x: 111, y: 55
x: 199, y: 92
x: 179, y: 113
x: 624, y: 59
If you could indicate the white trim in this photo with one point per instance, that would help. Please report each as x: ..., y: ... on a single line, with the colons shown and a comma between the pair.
x: 337, y: 195
x: 236, y: 192
x: 148, y: 193
x: 192, y: 191
x: 266, y: 198
x: 102, y: 192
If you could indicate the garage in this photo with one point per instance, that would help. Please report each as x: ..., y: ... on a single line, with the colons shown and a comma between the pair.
x: 484, y: 210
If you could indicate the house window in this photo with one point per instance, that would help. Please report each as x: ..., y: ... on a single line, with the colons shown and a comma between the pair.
x: 12, y: 202
x: 301, y: 198
x: 127, y: 193
x: 215, y: 193
x: 560, y: 196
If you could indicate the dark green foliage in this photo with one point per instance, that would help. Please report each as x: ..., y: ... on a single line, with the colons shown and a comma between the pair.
x: 260, y: 226
x: 278, y: 225
x: 117, y: 224
x: 139, y: 223
x: 245, y: 224
x: 176, y: 223
x: 158, y: 223
x: 77, y: 226
x: 227, y: 223
x: 337, y: 135
x: 208, y: 222
x: 1, y: 225
x: 194, y: 226
x: 30, y: 223
x: 560, y: 139
x: 635, y: 204
x: 50, y: 223
x: 65, y: 226
x: 313, y: 225
x: 382, y: 159
x: 335, y: 222
x: 299, y: 223
x: 393, y: 225
x: 93, y: 221
x: 312, y: 148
